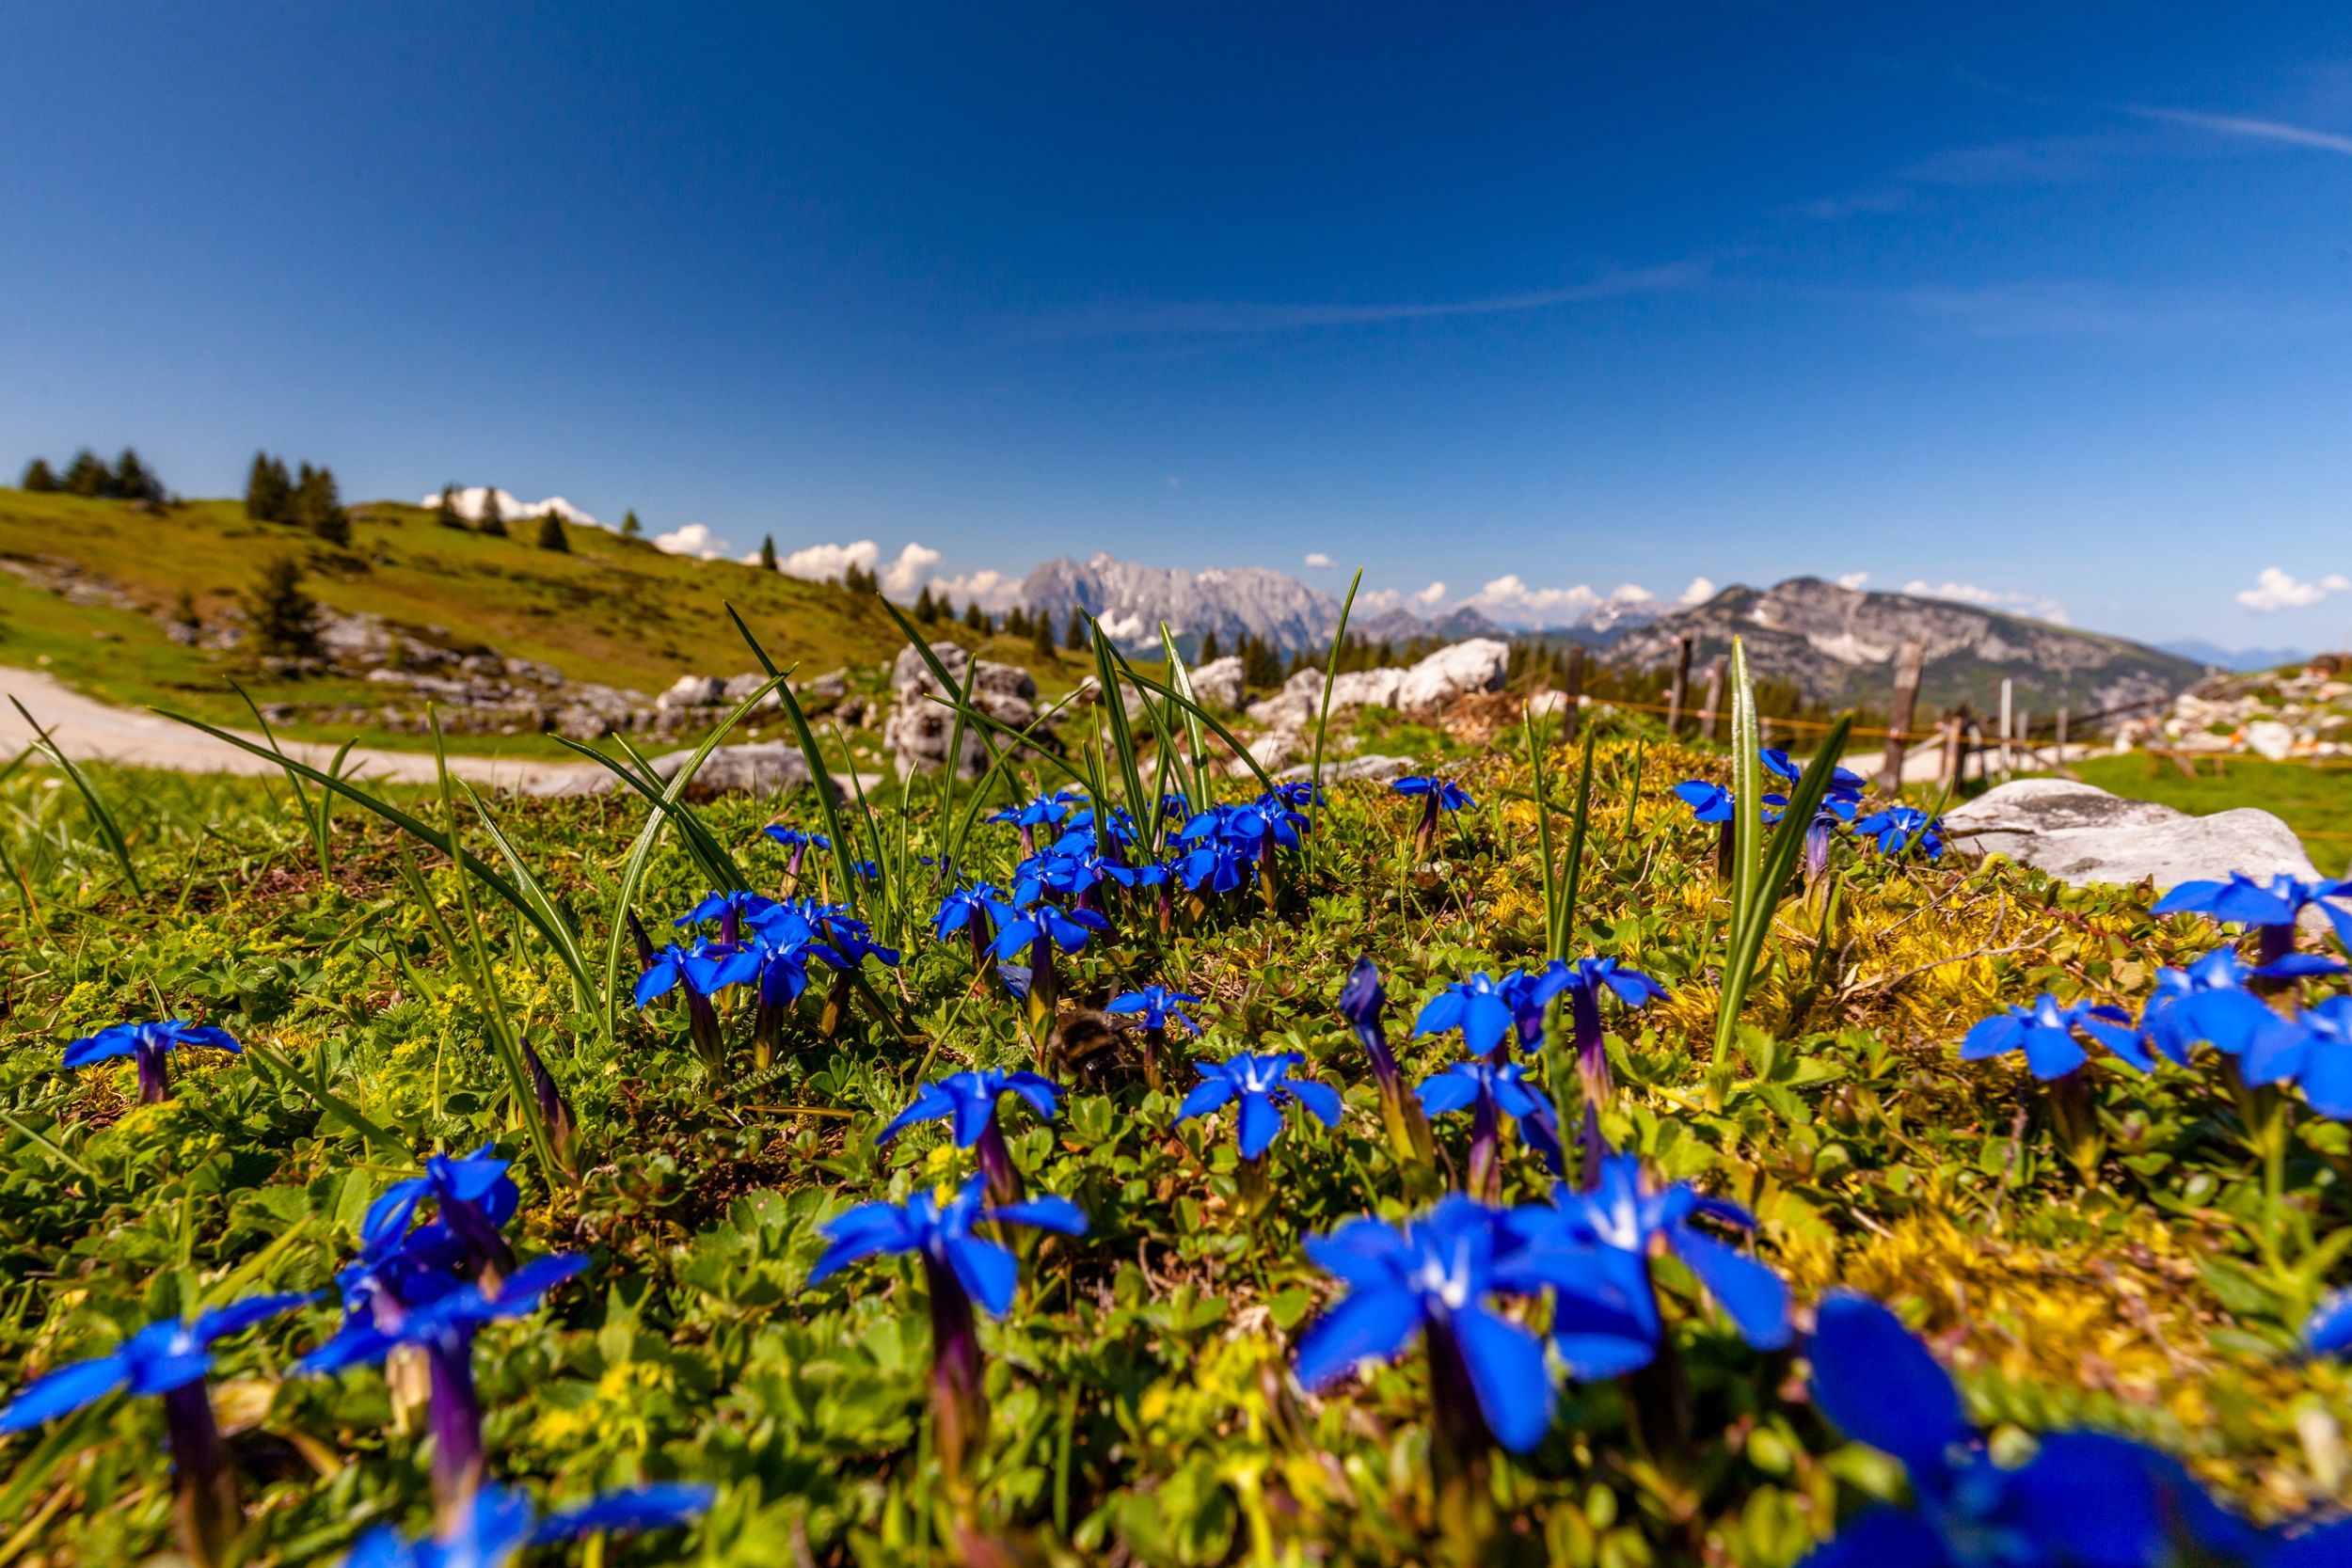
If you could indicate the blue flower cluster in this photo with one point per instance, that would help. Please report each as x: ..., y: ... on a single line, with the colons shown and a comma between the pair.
x: 1892, y: 829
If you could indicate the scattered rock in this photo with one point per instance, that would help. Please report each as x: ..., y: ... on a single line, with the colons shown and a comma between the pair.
x: 2079, y: 833
x: 1273, y: 749
x: 763, y: 769
x: 1477, y: 665
x: 1219, y: 684
x: 694, y: 691
x: 1372, y: 766
x: 2268, y: 737
x: 1295, y: 706
x: 920, y: 728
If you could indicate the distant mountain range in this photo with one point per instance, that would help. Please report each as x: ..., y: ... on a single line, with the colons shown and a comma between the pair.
x: 2213, y: 656
x: 1838, y: 643
x: 1131, y: 600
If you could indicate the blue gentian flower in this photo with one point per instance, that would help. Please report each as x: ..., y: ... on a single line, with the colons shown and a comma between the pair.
x: 1708, y: 802
x: 730, y: 910
x: 1157, y: 1005
x: 1364, y: 1001
x: 168, y: 1360
x: 2207, y: 1001
x: 1042, y: 926
x: 150, y: 1043
x: 968, y: 1100
x: 1844, y: 786
x: 163, y: 1356
x: 1432, y: 1277
x: 1893, y: 827
x: 1266, y: 1089
x: 473, y: 1198
x: 2268, y: 908
x: 1216, y: 865
x: 977, y: 908
x: 1477, y: 1006
x: 1493, y: 1090
x: 2312, y: 1050
x: 1045, y: 811
x: 2083, y: 1498
x: 1621, y: 1224
x: 1436, y: 795
x: 498, y: 1524
x: 797, y: 841
x: 959, y: 1268
x: 2046, y: 1032
x: 443, y: 1329
x: 2329, y: 1330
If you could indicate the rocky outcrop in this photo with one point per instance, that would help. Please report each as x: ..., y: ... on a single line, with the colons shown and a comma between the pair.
x: 1219, y: 684
x: 2079, y: 833
x: 920, y: 726
x: 2273, y: 714
x: 1836, y: 644
x: 1419, y: 692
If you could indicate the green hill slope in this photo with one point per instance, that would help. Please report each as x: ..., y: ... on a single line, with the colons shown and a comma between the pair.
x: 612, y: 611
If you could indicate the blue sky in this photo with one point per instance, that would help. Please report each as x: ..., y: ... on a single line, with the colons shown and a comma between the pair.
x: 2054, y: 307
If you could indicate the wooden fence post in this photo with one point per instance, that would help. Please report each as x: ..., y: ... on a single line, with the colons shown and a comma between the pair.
x: 1955, y: 730
x: 1677, y: 692
x: 2061, y: 735
x: 2006, y: 731
x: 1571, y: 713
x: 1714, y: 697
x: 1908, y: 661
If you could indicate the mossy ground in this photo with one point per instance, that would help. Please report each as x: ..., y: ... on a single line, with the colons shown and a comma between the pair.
x: 1144, y: 1413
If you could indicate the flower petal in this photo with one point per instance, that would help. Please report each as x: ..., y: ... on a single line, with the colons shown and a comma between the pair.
x: 1754, y: 1296
x: 1506, y: 1369
x: 66, y: 1389
x: 1261, y: 1118
x: 1879, y: 1385
x: 986, y: 1271
x: 1370, y: 1322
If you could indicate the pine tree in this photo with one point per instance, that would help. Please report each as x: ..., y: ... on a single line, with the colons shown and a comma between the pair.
x: 926, y: 609
x: 1016, y: 623
x: 445, y: 508
x: 1041, y: 634
x: 86, y: 475
x: 1208, y: 646
x: 282, y: 618
x: 318, y: 506
x: 977, y: 619
x: 552, y: 534
x: 768, y: 552
x: 38, y: 476
x: 134, y: 480
x: 1073, y: 633
x: 630, y: 526
x: 493, y: 520
x: 267, y: 491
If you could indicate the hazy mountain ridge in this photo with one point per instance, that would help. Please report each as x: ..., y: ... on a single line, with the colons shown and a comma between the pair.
x: 1839, y: 646
x: 1131, y: 600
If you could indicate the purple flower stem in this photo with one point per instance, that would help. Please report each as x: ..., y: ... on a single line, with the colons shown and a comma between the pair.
x: 959, y: 1401
x: 456, y: 1422
x: 154, y: 1073
x: 204, y: 1503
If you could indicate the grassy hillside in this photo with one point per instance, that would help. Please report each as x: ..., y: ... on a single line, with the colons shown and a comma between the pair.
x: 613, y: 611
x: 2315, y: 802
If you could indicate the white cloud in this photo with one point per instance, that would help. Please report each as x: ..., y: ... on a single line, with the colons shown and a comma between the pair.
x: 996, y: 591
x: 2039, y: 607
x: 1431, y: 596
x: 694, y: 539
x: 1853, y: 580
x: 2276, y: 587
x: 1377, y: 601
x: 821, y: 563
x: 466, y: 500
x: 1509, y: 598
x: 1316, y: 558
x: 900, y: 579
x: 1699, y: 592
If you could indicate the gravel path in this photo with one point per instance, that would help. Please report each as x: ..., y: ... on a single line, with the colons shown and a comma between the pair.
x: 88, y: 730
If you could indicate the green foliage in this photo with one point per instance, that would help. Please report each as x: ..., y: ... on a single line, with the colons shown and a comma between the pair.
x: 766, y: 552
x: 281, y: 618
x: 1142, y: 1412
x: 492, y: 519
x: 38, y: 476
x: 551, y: 535
x: 268, y: 489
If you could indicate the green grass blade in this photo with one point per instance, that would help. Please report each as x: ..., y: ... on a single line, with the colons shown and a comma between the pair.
x: 1330, y: 674
x: 108, y: 829
x: 573, y: 956
x: 828, y: 805
x: 1542, y: 830
x: 1161, y: 688
x: 716, y: 863
x: 1578, y: 827
x: 1779, y: 864
x: 1113, y: 701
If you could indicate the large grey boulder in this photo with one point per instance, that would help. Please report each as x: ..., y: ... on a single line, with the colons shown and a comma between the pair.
x: 1372, y: 766
x: 1295, y: 706
x: 1477, y: 665
x: 2079, y: 833
x: 920, y: 726
x: 1218, y: 683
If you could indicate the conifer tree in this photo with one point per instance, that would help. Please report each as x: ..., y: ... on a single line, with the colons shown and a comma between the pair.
x: 1209, y: 652
x: 267, y: 491
x: 1016, y: 623
x: 493, y: 520
x: 134, y: 480
x: 552, y: 534
x: 38, y: 475
x: 445, y: 508
x: 283, y: 619
x: 976, y: 618
x: 86, y: 475
x: 630, y: 526
x: 1041, y: 634
x: 317, y: 505
x: 1073, y: 633
x: 768, y: 552
x: 926, y: 610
